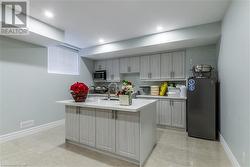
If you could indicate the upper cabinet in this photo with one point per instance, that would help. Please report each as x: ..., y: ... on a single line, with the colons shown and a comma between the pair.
x: 179, y: 65
x: 100, y: 65
x: 173, y: 65
x: 157, y: 67
x: 113, y: 70
x: 150, y: 67
x: 130, y: 65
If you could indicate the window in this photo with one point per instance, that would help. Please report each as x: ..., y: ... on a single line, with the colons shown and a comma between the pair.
x: 62, y: 60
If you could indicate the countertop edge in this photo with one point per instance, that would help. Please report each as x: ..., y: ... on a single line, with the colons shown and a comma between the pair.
x: 147, y: 96
x: 162, y: 97
x: 82, y: 104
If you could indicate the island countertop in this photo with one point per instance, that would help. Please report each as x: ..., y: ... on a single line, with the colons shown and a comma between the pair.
x: 95, y: 102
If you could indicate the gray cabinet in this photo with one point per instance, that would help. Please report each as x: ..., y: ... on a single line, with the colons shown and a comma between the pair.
x: 166, y: 66
x: 150, y: 67
x: 127, y: 134
x: 72, y: 123
x: 171, y: 112
x: 105, y: 130
x: 100, y: 65
x: 178, y: 65
x: 164, y: 112
x: 144, y: 67
x: 130, y: 65
x: 178, y: 113
x: 173, y: 65
x: 87, y: 126
x: 113, y: 70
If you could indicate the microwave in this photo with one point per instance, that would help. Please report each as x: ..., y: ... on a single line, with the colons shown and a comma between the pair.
x: 100, y: 76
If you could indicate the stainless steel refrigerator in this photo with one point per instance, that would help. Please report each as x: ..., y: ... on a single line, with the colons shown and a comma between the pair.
x: 201, y: 108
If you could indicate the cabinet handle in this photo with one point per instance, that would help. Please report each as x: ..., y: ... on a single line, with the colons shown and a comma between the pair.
x: 113, y: 114
x: 173, y: 74
x: 129, y: 69
x: 148, y: 75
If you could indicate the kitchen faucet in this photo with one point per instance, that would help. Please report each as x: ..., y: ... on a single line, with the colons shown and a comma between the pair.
x: 116, y: 88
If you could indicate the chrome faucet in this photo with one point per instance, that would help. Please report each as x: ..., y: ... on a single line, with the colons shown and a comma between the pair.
x: 116, y: 88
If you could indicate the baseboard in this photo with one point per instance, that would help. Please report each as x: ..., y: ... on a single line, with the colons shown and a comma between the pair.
x: 29, y: 131
x: 229, y: 152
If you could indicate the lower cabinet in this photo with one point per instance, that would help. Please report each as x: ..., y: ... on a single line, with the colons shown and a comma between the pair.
x: 87, y: 126
x: 171, y: 112
x: 164, y: 112
x: 178, y: 114
x: 105, y: 130
x: 127, y: 134
x: 117, y: 132
x: 72, y: 123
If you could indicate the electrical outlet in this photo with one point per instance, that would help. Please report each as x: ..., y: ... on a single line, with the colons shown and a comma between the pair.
x: 26, y: 124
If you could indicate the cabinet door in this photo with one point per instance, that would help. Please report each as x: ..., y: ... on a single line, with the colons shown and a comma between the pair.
x: 87, y: 126
x: 105, y: 130
x: 100, y: 65
x: 144, y: 67
x: 127, y: 134
x: 166, y: 65
x: 179, y: 65
x: 155, y: 69
x: 124, y: 65
x: 134, y: 65
x: 72, y: 123
x: 179, y: 114
x: 164, y: 112
x: 109, y: 69
x: 116, y: 70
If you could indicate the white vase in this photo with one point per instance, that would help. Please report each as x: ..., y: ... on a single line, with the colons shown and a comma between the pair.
x: 125, y: 100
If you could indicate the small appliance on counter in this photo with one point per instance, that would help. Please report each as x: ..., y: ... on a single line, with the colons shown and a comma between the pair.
x: 100, y: 76
x: 144, y: 90
x: 201, y: 104
x: 154, y: 90
x: 173, y: 91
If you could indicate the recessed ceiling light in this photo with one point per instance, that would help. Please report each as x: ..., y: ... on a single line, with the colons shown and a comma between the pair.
x: 159, y: 28
x: 48, y: 14
x: 101, y: 40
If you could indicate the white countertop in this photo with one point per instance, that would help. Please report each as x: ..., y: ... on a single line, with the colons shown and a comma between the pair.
x: 144, y: 96
x: 163, y: 97
x: 97, y: 102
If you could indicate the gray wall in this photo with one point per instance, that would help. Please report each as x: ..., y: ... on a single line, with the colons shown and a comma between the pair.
x: 201, y: 55
x: 234, y: 76
x: 29, y: 91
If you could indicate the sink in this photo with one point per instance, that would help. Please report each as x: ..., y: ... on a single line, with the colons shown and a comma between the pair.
x: 111, y: 99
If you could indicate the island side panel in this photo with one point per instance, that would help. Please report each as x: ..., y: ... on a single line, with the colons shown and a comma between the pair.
x: 72, y: 123
x: 147, y: 131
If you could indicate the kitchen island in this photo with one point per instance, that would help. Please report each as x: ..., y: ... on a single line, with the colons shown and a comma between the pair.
x: 125, y: 132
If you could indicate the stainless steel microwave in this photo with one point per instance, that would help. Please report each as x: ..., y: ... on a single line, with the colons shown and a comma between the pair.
x: 100, y: 76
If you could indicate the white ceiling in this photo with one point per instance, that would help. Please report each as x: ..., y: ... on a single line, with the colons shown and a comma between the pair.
x: 85, y: 21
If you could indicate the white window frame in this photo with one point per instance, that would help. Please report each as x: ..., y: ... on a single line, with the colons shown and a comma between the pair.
x: 57, y: 68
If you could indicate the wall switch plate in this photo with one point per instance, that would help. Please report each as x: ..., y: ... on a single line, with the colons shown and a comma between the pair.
x: 26, y: 124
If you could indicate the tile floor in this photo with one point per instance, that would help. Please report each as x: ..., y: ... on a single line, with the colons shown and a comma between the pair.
x: 48, y: 149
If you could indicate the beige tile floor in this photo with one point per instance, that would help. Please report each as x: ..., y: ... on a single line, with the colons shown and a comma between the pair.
x: 48, y: 149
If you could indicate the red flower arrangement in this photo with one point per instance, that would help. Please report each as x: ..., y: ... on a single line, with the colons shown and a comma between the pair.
x: 79, y: 91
